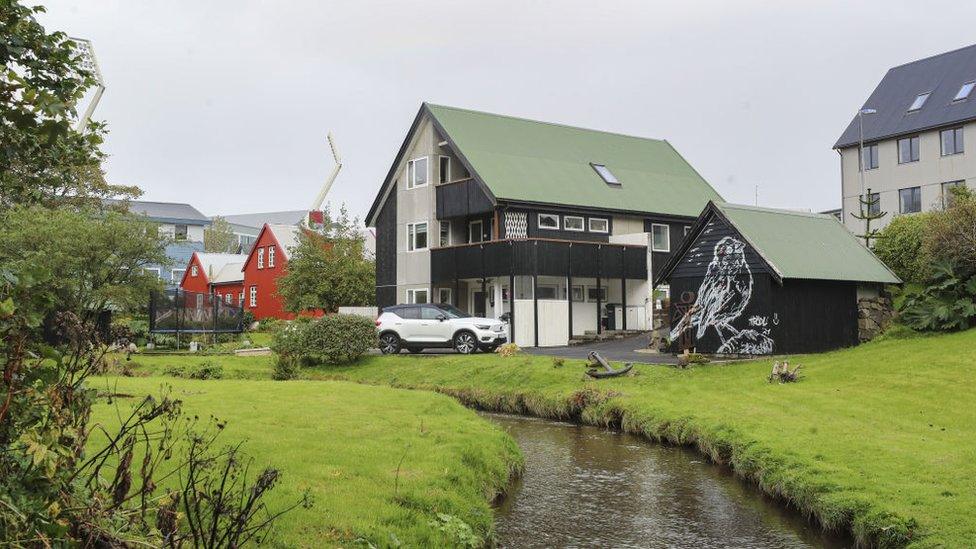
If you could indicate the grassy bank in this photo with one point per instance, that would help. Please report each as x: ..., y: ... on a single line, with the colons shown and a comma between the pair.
x: 879, y: 440
x: 344, y: 441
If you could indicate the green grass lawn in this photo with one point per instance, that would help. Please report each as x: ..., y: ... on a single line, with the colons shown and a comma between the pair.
x: 344, y: 442
x: 879, y: 440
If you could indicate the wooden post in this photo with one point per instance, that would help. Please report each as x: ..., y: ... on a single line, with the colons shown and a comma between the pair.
x: 569, y: 287
x: 511, y: 306
x: 599, y: 304
x: 623, y: 288
x: 535, y: 307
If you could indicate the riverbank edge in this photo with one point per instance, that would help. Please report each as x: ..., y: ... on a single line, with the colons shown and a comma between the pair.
x: 867, y: 523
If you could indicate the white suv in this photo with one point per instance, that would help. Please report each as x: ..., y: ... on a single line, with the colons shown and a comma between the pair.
x: 422, y: 326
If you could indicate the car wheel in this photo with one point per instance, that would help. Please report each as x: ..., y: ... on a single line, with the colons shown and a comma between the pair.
x: 415, y: 350
x: 389, y: 343
x: 465, y: 343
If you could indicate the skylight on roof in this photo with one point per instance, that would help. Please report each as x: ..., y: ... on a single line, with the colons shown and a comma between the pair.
x: 919, y: 101
x: 606, y: 174
x: 964, y: 91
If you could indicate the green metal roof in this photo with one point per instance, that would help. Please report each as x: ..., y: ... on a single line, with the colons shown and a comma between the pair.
x: 530, y: 161
x: 806, y: 245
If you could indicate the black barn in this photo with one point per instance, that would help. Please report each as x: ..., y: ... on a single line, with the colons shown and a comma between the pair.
x: 758, y: 281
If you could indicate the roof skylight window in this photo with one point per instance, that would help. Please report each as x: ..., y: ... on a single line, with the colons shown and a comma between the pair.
x: 919, y: 101
x: 606, y: 174
x: 964, y: 91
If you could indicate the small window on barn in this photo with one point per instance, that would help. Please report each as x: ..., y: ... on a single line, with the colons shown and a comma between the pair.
x: 549, y: 221
x: 599, y: 225
x: 606, y: 174
x: 573, y: 223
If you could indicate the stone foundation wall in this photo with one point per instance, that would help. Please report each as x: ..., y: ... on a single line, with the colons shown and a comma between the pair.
x: 873, y: 316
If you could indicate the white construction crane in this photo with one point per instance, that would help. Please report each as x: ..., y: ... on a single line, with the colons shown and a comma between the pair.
x: 90, y: 63
x: 320, y: 198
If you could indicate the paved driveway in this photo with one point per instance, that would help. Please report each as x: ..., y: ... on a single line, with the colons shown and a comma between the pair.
x: 615, y: 350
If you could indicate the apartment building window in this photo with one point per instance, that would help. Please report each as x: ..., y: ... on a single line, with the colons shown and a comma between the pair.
x: 254, y: 296
x: 444, y: 295
x: 416, y: 237
x: 919, y: 101
x: 445, y: 239
x: 476, y: 231
x: 908, y: 150
x: 964, y: 91
x: 444, y: 169
x: 417, y: 173
x: 549, y: 222
x: 416, y: 296
x: 870, y: 158
x: 947, y: 195
x: 910, y: 200
x: 181, y: 232
x: 271, y: 257
x: 599, y: 225
x: 260, y: 258
x: 660, y: 237
x: 951, y: 141
x: 573, y: 223
x: 874, y: 203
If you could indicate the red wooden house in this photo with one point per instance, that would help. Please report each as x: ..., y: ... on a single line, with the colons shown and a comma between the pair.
x: 220, y: 274
x: 267, y: 261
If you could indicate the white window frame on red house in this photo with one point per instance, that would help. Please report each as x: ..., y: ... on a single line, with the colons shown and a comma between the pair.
x: 240, y: 298
x: 271, y: 257
x: 228, y: 298
x: 260, y: 258
x: 194, y: 271
x: 253, y: 297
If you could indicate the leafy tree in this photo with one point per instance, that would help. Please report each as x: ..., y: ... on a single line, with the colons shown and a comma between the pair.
x: 329, y: 269
x: 899, y: 245
x: 950, y: 235
x: 218, y: 237
x: 42, y: 159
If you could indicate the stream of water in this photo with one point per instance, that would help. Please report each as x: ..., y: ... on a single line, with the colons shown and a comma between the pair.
x: 590, y: 487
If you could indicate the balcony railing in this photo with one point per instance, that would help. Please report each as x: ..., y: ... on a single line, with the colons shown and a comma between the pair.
x: 538, y: 256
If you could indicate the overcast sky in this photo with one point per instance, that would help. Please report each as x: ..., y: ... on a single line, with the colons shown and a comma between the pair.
x: 226, y: 104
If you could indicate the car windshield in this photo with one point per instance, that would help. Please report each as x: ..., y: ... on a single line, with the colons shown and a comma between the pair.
x: 451, y: 311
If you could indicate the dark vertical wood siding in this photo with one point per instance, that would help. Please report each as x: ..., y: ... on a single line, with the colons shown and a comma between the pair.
x: 463, y: 198
x: 700, y: 254
x: 814, y: 315
x: 386, y: 252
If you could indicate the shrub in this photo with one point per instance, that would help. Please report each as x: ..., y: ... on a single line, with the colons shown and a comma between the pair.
x: 558, y: 362
x: 286, y: 368
x: 338, y: 339
x: 205, y: 370
x: 899, y: 245
x: 508, y: 349
x: 950, y: 235
x: 287, y: 338
x: 944, y: 304
x: 247, y: 318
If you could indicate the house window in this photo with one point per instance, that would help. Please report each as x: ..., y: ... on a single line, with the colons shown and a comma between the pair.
x: 546, y: 292
x: 599, y: 225
x: 260, y: 258
x: 445, y: 233
x: 271, y: 256
x: 578, y: 293
x: 177, y: 275
x: 606, y: 174
x: 476, y: 231
x: 444, y: 295
x: 908, y: 150
x: 910, y: 200
x: 416, y: 236
x: 153, y: 271
x: 660, y: 237
x: 870, y: 157
x: 199, y: 301
x: 592, y: 293
x: 194, y: 271
x: 947, y: 191
x: 444, y: 171
x: 228, y: 298
x: 964, y: 91
x: 951, y: 141
x: 240, y: 298
x: 573, y: 223
x: 919, y: 101
x: 181, y: 232
x: 253, y: 296
x: 873, y: 204
x: 549, y: 222
x: 417, y: 173
x: 417, y: 296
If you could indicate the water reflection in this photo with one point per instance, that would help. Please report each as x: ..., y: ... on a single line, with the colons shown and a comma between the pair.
x: 586, y: 487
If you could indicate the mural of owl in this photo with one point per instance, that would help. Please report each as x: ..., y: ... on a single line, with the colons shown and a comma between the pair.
x: 723, y: 295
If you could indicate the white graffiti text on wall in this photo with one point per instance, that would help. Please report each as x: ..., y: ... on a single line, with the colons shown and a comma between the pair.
x: 724, y: 294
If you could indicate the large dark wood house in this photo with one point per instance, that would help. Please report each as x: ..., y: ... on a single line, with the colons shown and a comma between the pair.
x: 561, y: 227
x: 758, y: 281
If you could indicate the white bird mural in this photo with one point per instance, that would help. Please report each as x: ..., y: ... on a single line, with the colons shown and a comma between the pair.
x: 722, y: 297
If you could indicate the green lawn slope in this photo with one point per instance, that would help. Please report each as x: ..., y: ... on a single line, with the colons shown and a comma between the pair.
x: 878, y: 440
x: 344, y: 441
